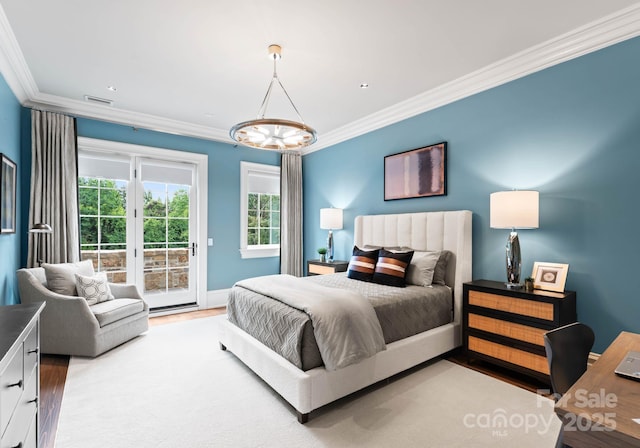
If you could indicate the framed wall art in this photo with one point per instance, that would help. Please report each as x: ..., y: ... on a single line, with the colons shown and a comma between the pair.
x: 416, y: 173
x: 7, y: 195
x: 549, y: 276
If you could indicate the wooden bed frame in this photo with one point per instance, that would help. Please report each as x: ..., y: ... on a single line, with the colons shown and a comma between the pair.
x: 310, y: 390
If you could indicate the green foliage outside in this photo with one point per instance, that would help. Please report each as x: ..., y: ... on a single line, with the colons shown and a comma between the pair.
x: 162, y: 222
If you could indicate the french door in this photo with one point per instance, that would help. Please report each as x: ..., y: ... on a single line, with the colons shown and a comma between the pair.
x: 139, y: 224
x: 165, y: 232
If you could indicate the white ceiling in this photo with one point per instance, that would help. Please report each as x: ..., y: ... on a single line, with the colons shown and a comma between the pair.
x: 197, y: 67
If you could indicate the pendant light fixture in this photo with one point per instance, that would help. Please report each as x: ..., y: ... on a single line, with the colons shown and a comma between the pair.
x: 274, y: 133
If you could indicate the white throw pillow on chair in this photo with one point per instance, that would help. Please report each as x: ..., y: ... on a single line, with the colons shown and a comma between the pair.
x: 94, y: 289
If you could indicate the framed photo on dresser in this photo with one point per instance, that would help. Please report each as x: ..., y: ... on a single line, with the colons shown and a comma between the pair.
x: 549, y: 276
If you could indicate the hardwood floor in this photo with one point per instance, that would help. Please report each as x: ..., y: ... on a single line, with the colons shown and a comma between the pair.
x: 53, y: 375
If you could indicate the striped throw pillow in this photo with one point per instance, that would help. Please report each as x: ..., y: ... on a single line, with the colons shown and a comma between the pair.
x: 362, y: 264
x: 391, y: 268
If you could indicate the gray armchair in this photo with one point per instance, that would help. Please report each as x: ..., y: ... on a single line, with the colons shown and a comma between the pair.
x: 69, y: 326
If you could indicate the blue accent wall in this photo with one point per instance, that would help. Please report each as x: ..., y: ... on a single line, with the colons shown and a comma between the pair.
x: 10, y: 146
x: 224, y: 264
x: 572, y: 132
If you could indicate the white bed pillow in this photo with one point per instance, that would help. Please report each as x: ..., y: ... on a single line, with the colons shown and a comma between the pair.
x: 422, y: 268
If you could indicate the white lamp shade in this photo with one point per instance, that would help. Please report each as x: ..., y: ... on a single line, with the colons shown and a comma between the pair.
x: 331, y: 218
x: 514, y: 210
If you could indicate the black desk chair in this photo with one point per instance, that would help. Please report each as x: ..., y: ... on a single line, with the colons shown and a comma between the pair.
x: 567, y: 351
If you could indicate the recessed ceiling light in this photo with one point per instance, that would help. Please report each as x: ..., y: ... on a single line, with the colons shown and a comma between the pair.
x: 112, y: 88
x: 364, y: 85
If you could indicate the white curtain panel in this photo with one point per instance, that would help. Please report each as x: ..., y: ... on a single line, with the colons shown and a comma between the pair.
x: 291, y: 215
x: 54, y: 188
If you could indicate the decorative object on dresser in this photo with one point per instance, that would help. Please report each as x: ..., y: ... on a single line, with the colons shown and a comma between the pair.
x: 416, y: 173
x: 330, y: 219
x: 19, y: 375
x: 8, y: 173
x: 514, y: 210
x: 319, y: 267
x: 506, y: 327
x: 549, y: 276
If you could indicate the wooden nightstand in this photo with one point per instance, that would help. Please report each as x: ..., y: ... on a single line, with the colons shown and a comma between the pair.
x: 506, y: 326
x: 317, y: 267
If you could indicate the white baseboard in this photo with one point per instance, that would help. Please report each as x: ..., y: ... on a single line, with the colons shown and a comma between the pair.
x: 216, y: 298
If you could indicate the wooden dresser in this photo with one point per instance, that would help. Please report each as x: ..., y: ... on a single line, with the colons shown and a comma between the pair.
x: 506, y: 326
x: 19, y: 375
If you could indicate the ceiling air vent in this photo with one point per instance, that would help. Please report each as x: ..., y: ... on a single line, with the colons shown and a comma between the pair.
x: 95, y: 99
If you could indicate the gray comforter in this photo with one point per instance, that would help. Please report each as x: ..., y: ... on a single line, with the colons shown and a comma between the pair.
x: 345, y: 324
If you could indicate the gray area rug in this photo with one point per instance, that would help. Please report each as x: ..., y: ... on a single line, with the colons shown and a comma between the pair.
x: 173, y: 387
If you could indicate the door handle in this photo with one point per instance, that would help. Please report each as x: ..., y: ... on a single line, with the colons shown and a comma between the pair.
x: 193, y: 249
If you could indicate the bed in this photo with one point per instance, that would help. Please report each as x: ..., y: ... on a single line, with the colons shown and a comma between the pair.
x: 307, y: 390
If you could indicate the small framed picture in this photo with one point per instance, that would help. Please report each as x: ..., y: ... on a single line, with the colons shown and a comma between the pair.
x: 549, y: 276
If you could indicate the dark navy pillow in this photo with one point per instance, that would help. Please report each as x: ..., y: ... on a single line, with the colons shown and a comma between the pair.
x: 391, y: 268
x: 362, y: 264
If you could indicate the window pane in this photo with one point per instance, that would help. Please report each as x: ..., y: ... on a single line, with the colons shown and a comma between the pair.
x: 178, y: 201
x: 155, y: 230
x: 252, y: 237
x: 275, y: 236
x: 88, y: 230
x: 113, y: 230
x: 264, y: 236
x: 265, y: 218
x: 88, y: 200
x: 275, y: 202
x: 252, y: 220
x: 155, y: 198
x: 253, y: 201
x: 82, y: 181
x: 112, y: 202
x: 178, y: 230
x: 275, y: 219
x: 265, y: 203
x: 155, y: 258
x: 155, y: 281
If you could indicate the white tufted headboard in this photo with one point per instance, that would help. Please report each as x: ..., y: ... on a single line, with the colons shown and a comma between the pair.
x: 424, y: 231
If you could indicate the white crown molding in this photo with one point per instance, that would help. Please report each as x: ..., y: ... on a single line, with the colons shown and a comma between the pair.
x: 609, y: 30
x: 125, y: 117
x: 12, y: 64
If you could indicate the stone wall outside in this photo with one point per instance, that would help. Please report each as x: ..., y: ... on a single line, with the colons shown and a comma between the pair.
x: 114, y: 263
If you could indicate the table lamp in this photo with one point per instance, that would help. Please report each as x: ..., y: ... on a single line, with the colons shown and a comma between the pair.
x: 330, y: 219
x: 514, y: 210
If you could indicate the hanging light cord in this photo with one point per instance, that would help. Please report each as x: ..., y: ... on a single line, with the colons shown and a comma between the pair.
x: 267, y: 97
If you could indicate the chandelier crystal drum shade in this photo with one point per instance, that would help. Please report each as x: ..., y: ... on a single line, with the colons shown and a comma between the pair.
x: 274, y: 133
x: 514, y: 210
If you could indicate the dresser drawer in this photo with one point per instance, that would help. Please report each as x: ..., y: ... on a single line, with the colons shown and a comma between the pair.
x: 511, y: 330
x: 31, y: 352
x: 539, y: 310
x: 320, y: 270
x: 511, y: 355
x: 24, y: 415
x: 11, y: 386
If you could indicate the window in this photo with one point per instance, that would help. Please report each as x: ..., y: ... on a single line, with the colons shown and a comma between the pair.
x: 259, y: 210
